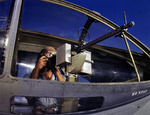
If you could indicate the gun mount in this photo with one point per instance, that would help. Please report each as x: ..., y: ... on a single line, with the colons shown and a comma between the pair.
x: 72, y: 62
x: 76, y: 60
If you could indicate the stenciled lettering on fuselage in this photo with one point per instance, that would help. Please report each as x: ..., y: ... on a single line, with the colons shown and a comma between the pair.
x: 139, y: 92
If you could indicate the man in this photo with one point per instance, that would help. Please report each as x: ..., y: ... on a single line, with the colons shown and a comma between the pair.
x: 45, y: 69
x: 42, y: 63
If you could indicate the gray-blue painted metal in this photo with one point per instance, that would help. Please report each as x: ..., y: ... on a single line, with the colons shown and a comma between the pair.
x: 133, y: 95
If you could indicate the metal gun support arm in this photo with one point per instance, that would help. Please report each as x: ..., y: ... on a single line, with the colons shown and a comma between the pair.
x: 131, y: 56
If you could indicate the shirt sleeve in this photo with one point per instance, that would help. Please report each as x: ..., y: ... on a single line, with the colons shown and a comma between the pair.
x: 62, y: 73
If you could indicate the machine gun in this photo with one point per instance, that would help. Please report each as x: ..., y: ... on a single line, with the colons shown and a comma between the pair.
x: 76, y: 60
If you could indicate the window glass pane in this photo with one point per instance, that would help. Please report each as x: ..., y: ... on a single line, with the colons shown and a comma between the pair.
x: 59, y: 106
x: 53, y: 19
x: 26, y: 62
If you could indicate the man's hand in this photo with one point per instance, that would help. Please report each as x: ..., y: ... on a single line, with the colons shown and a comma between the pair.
x: 58, y: 75
x: 41, y: 62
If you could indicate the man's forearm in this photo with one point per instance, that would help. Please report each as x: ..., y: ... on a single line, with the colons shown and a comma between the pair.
x: 35, y: 73
x: 59, y: 76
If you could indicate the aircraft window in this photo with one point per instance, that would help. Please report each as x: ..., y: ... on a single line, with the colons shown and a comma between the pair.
x: 54, y: 22
x: 63, y: 105
x: 68, y: 23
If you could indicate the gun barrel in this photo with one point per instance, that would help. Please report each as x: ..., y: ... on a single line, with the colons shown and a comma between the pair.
x: 105, y: 36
